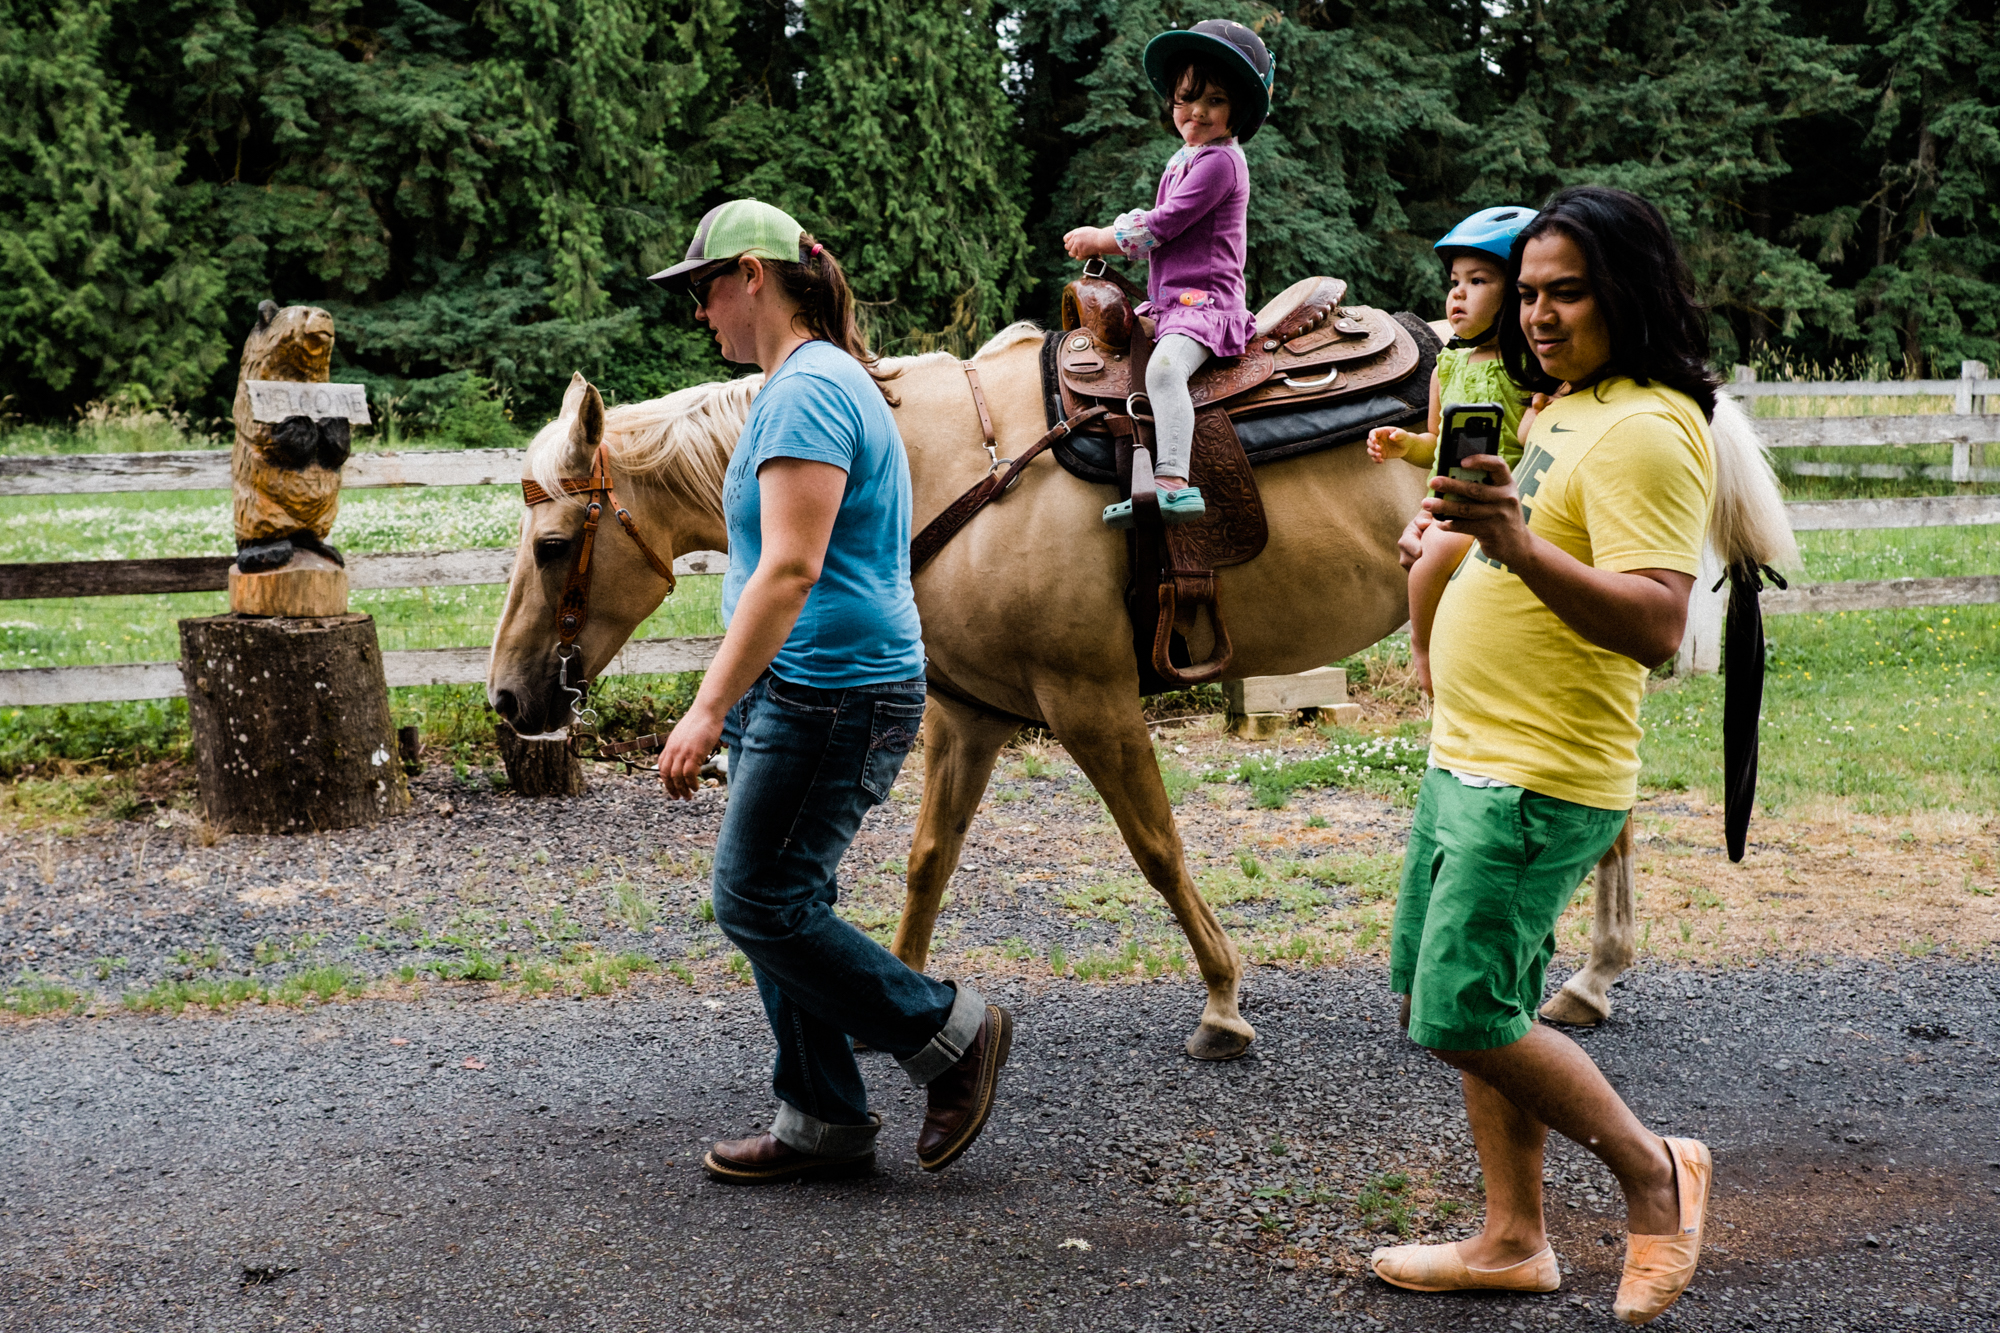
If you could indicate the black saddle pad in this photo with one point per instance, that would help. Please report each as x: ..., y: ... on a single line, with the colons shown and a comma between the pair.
x: 1314, y: 426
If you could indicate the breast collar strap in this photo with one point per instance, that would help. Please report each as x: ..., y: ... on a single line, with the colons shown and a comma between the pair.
x: 574, y: 608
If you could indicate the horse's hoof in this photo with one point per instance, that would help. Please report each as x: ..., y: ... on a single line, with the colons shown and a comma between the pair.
x: 1566, y: 1006
x: 1219, y: 1039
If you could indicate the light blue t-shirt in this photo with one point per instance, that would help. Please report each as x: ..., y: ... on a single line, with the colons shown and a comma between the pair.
x: 859, y: 626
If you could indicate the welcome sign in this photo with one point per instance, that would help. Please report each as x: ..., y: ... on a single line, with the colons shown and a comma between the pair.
x: 274, y: 400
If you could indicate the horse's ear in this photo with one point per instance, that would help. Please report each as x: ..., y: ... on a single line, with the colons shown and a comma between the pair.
x: 589, y: 429
x: 585, y: 410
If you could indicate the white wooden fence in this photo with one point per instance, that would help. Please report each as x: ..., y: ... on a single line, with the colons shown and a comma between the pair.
x: 195, y: 470
x: 1968, y: 428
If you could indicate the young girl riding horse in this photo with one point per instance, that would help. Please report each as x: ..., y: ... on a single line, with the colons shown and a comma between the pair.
x: 1217, y: 77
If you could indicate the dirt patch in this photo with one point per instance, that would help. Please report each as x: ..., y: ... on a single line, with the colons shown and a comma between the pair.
x: 1824, y: 882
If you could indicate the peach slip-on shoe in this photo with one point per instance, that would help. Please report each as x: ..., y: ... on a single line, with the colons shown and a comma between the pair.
x: 1439, y: 1268
x: 1659, y: 1268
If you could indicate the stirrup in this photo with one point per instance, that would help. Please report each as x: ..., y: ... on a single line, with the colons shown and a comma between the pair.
x: 1182, y: 506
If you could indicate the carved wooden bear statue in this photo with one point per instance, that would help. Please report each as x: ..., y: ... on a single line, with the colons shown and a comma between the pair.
x: 287, y: 473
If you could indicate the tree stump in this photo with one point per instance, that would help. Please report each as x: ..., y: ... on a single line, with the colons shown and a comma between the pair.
x: 539, y: 768
x: 290, y: 723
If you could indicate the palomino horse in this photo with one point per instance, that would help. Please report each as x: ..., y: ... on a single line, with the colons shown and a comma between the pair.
x: 1023, y: 612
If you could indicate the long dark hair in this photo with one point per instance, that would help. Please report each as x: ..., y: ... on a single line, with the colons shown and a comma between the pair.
x: 817, y: 285
x: 1659, y: 331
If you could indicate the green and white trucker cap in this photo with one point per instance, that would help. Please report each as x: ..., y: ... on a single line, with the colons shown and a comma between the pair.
x: 732, y: 230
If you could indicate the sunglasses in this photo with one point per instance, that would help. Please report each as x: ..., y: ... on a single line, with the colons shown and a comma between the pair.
x: 700, y: 283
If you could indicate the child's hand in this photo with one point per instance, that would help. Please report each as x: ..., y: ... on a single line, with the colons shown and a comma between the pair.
x: 1386, y: 442
x: 1535, y: 406
x: 1089, y: 242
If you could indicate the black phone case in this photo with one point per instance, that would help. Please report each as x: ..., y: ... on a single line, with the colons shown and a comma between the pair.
x: 1453, y: 446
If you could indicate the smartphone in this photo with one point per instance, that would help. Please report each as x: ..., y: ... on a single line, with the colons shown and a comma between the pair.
x: 1464, y: 430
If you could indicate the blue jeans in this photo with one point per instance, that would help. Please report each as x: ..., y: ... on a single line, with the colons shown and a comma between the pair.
x: 805, y: 765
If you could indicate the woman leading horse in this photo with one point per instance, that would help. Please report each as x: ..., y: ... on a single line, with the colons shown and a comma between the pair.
x: 818, y: 692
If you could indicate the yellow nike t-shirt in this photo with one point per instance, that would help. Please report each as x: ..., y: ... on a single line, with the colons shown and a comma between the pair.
x: 1621, y: 478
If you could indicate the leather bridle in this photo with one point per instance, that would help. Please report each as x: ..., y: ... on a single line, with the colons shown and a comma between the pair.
x: 573, y: 610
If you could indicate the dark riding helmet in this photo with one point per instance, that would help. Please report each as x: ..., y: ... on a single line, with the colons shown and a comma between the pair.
x: 1234, y: 52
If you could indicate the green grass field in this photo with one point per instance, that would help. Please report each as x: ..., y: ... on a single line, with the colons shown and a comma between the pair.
x: 1885, y: 711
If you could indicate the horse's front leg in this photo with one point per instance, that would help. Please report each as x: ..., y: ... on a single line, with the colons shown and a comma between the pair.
x: 960, y: 744
x: 1585, y: 999
x: 1105, y: 732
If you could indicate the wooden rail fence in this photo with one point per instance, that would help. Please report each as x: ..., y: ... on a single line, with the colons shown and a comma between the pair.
x: 1968, y: 429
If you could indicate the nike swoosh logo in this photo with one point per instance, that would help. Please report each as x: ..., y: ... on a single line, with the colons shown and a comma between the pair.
x: 1559, y: 430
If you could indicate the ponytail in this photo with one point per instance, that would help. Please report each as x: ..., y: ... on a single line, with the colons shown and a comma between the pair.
x: 818, y: 287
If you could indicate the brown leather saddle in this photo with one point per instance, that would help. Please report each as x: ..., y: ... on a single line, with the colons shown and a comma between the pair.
x: 1318, y: 373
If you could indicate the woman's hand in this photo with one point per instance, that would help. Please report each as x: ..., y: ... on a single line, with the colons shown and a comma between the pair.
x: 801, y: 499
x: 1490, y: 514
x: 1386, y: 442
x: 1090, y: 242
x: 1410, y: 546
x: 693, y: 740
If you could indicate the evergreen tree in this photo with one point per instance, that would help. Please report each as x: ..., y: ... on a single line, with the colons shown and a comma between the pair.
x: 477, y: 188
x: 1933, y: 295
x: 907, y: 139
x: 103, y: 282
x: 1686, y: 103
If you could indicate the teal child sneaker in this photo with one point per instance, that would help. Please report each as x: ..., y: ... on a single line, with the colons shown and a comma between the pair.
x: 1181, y: 506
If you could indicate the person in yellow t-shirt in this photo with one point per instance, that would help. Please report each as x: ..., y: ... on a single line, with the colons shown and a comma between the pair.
x: 1578, y: 584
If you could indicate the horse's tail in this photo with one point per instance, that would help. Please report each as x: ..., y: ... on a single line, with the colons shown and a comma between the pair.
x: 1747, y: 523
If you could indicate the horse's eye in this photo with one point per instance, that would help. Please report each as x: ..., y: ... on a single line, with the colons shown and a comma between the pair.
x: 550, y: 550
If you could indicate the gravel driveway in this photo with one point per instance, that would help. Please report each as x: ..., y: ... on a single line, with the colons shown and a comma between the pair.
x: 455, y: 1163
x: 520, y: 1153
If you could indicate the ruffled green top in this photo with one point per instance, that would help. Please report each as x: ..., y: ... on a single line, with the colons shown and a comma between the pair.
x: 1462, y: 380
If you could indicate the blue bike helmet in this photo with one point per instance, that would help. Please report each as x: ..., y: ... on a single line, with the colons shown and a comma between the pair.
x: 1490, y: 231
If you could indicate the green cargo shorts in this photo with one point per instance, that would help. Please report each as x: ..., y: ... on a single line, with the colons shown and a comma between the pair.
x: 1487, y: 873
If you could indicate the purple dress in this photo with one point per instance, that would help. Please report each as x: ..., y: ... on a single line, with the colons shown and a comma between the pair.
x: 1193, y: 240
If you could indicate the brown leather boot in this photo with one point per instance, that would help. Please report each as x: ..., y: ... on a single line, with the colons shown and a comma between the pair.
x: 764, y: 1159
x: 962, y: 1097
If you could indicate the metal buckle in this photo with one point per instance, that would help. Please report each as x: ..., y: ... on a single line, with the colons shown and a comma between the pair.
x: 1095, y: 267
x: 580, y: 712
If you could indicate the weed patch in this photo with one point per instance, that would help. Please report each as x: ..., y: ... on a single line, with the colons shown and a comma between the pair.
x: 1382, y: 1205
x: 34, y: 996
x: 631, y: 907
x: 1389, y: 766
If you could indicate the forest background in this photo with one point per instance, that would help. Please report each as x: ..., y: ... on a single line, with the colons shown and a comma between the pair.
x: 477, y: 190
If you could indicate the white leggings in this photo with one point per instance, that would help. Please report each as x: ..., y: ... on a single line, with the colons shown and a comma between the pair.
x: 1175, y: 360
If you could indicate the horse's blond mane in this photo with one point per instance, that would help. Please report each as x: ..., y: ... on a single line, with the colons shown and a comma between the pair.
x: 1020, y: 331
x: 681, y: 442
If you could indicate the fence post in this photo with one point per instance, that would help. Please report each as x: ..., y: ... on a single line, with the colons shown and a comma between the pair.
x: 1966, y: 458
x: 1701, y: 642
x: 1967, y: 405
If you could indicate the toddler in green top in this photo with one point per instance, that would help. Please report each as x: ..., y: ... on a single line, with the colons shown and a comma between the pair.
x: 1469, y: 370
